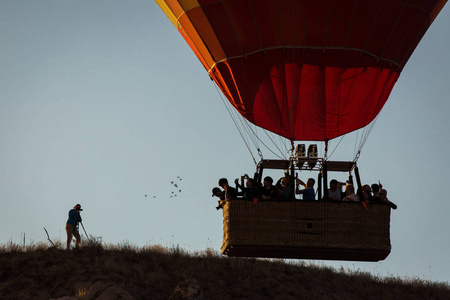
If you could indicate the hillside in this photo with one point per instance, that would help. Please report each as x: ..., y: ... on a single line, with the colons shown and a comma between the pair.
x: 98, y: 271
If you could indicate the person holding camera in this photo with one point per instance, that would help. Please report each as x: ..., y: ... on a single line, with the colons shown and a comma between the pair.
x: 72, y: 226
x: 219, y: 194
x: 249, y: 190
x: 308, y: 188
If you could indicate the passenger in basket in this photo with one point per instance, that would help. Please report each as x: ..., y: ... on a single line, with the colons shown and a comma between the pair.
x: 365, y: 195
x: 284, y: 186
x: 308, y: 189
x: 366, y: 188
x: 269, y: 191
x: 384, y: 199
x: 376, y: 190
x: 219, y: 194
x: 335, y: 193
x: 229, y: 191
x: 350, y: 194
x: 249, y: 190
x: 366, y: 198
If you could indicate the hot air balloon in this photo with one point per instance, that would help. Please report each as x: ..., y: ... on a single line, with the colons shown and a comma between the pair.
x: 306, y: 71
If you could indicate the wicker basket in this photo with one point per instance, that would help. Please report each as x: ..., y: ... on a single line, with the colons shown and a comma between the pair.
x: 306, y: 230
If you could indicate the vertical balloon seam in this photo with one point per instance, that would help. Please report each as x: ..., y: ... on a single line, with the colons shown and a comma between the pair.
x: 371, y: 30
x: 392, y: 31
x: 234, y: 30
x: 350, y: 27
x: 405, y: 36
x: 419, y: 35
x: 256, y: 27
x: 326, y: 26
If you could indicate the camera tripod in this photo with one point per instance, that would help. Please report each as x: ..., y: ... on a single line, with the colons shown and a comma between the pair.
x: 84, y: 230
x: 82, y: 225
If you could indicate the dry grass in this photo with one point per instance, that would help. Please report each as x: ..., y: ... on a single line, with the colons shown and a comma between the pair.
x: 152, y: 272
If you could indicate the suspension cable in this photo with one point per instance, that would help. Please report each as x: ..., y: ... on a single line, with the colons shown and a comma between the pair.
x: 356, y: 142
x: 365, y: 137
x: 275, y: 144
x: 265, y: 144
x: 247, y: 128
x: 235, y: 124
x: 286, y: 150
x: 336, y: 146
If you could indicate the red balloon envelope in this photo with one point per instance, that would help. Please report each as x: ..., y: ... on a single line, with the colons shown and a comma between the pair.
x: 306, y: 70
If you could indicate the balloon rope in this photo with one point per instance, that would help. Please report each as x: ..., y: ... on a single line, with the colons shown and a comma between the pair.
x: 257, y: 137
x: 275, y: 144
x: 236, y: 124
x: 356, y: 141
x: 365, y: 137
x: 248, y: 129
x: 336, y: 146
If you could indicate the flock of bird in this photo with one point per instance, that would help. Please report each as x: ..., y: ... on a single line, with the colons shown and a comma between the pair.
x: 176, y: 187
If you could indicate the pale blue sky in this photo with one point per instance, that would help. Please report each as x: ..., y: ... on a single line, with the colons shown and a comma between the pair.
x: 103, y: 102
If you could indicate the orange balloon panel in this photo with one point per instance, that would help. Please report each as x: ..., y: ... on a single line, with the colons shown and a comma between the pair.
x: 306, y: 70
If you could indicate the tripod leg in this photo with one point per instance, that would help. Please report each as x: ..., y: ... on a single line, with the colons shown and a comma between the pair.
x: 84, y: 230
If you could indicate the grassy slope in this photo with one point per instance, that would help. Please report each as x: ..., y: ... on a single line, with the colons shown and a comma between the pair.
x: 153, y: 273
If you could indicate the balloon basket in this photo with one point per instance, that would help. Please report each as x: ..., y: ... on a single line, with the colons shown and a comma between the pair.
x: 306, y: 230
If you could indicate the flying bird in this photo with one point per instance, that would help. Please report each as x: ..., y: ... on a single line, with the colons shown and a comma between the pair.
x: 174, y: 182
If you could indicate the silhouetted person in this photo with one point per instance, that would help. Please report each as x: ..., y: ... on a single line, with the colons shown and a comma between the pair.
x: 335, y: 192
x: 216, y: 192
x: 350, y: 194
x: 269, y: 191
x: 366, y: 198
x: 72, y: 226
x: 376, y: 190
x: 229, y: 191
x: 366, y: 188
x: 249, y: 190
x: 365, y: 195
x: 384, y: 199
x: 308, y: 189
x: 284, y: 185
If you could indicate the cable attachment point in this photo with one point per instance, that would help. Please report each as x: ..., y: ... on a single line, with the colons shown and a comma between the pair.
x: 357, y: 156
x: 260, y: 153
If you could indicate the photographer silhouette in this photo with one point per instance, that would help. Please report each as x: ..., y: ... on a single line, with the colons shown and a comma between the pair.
x: 72, y: 226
